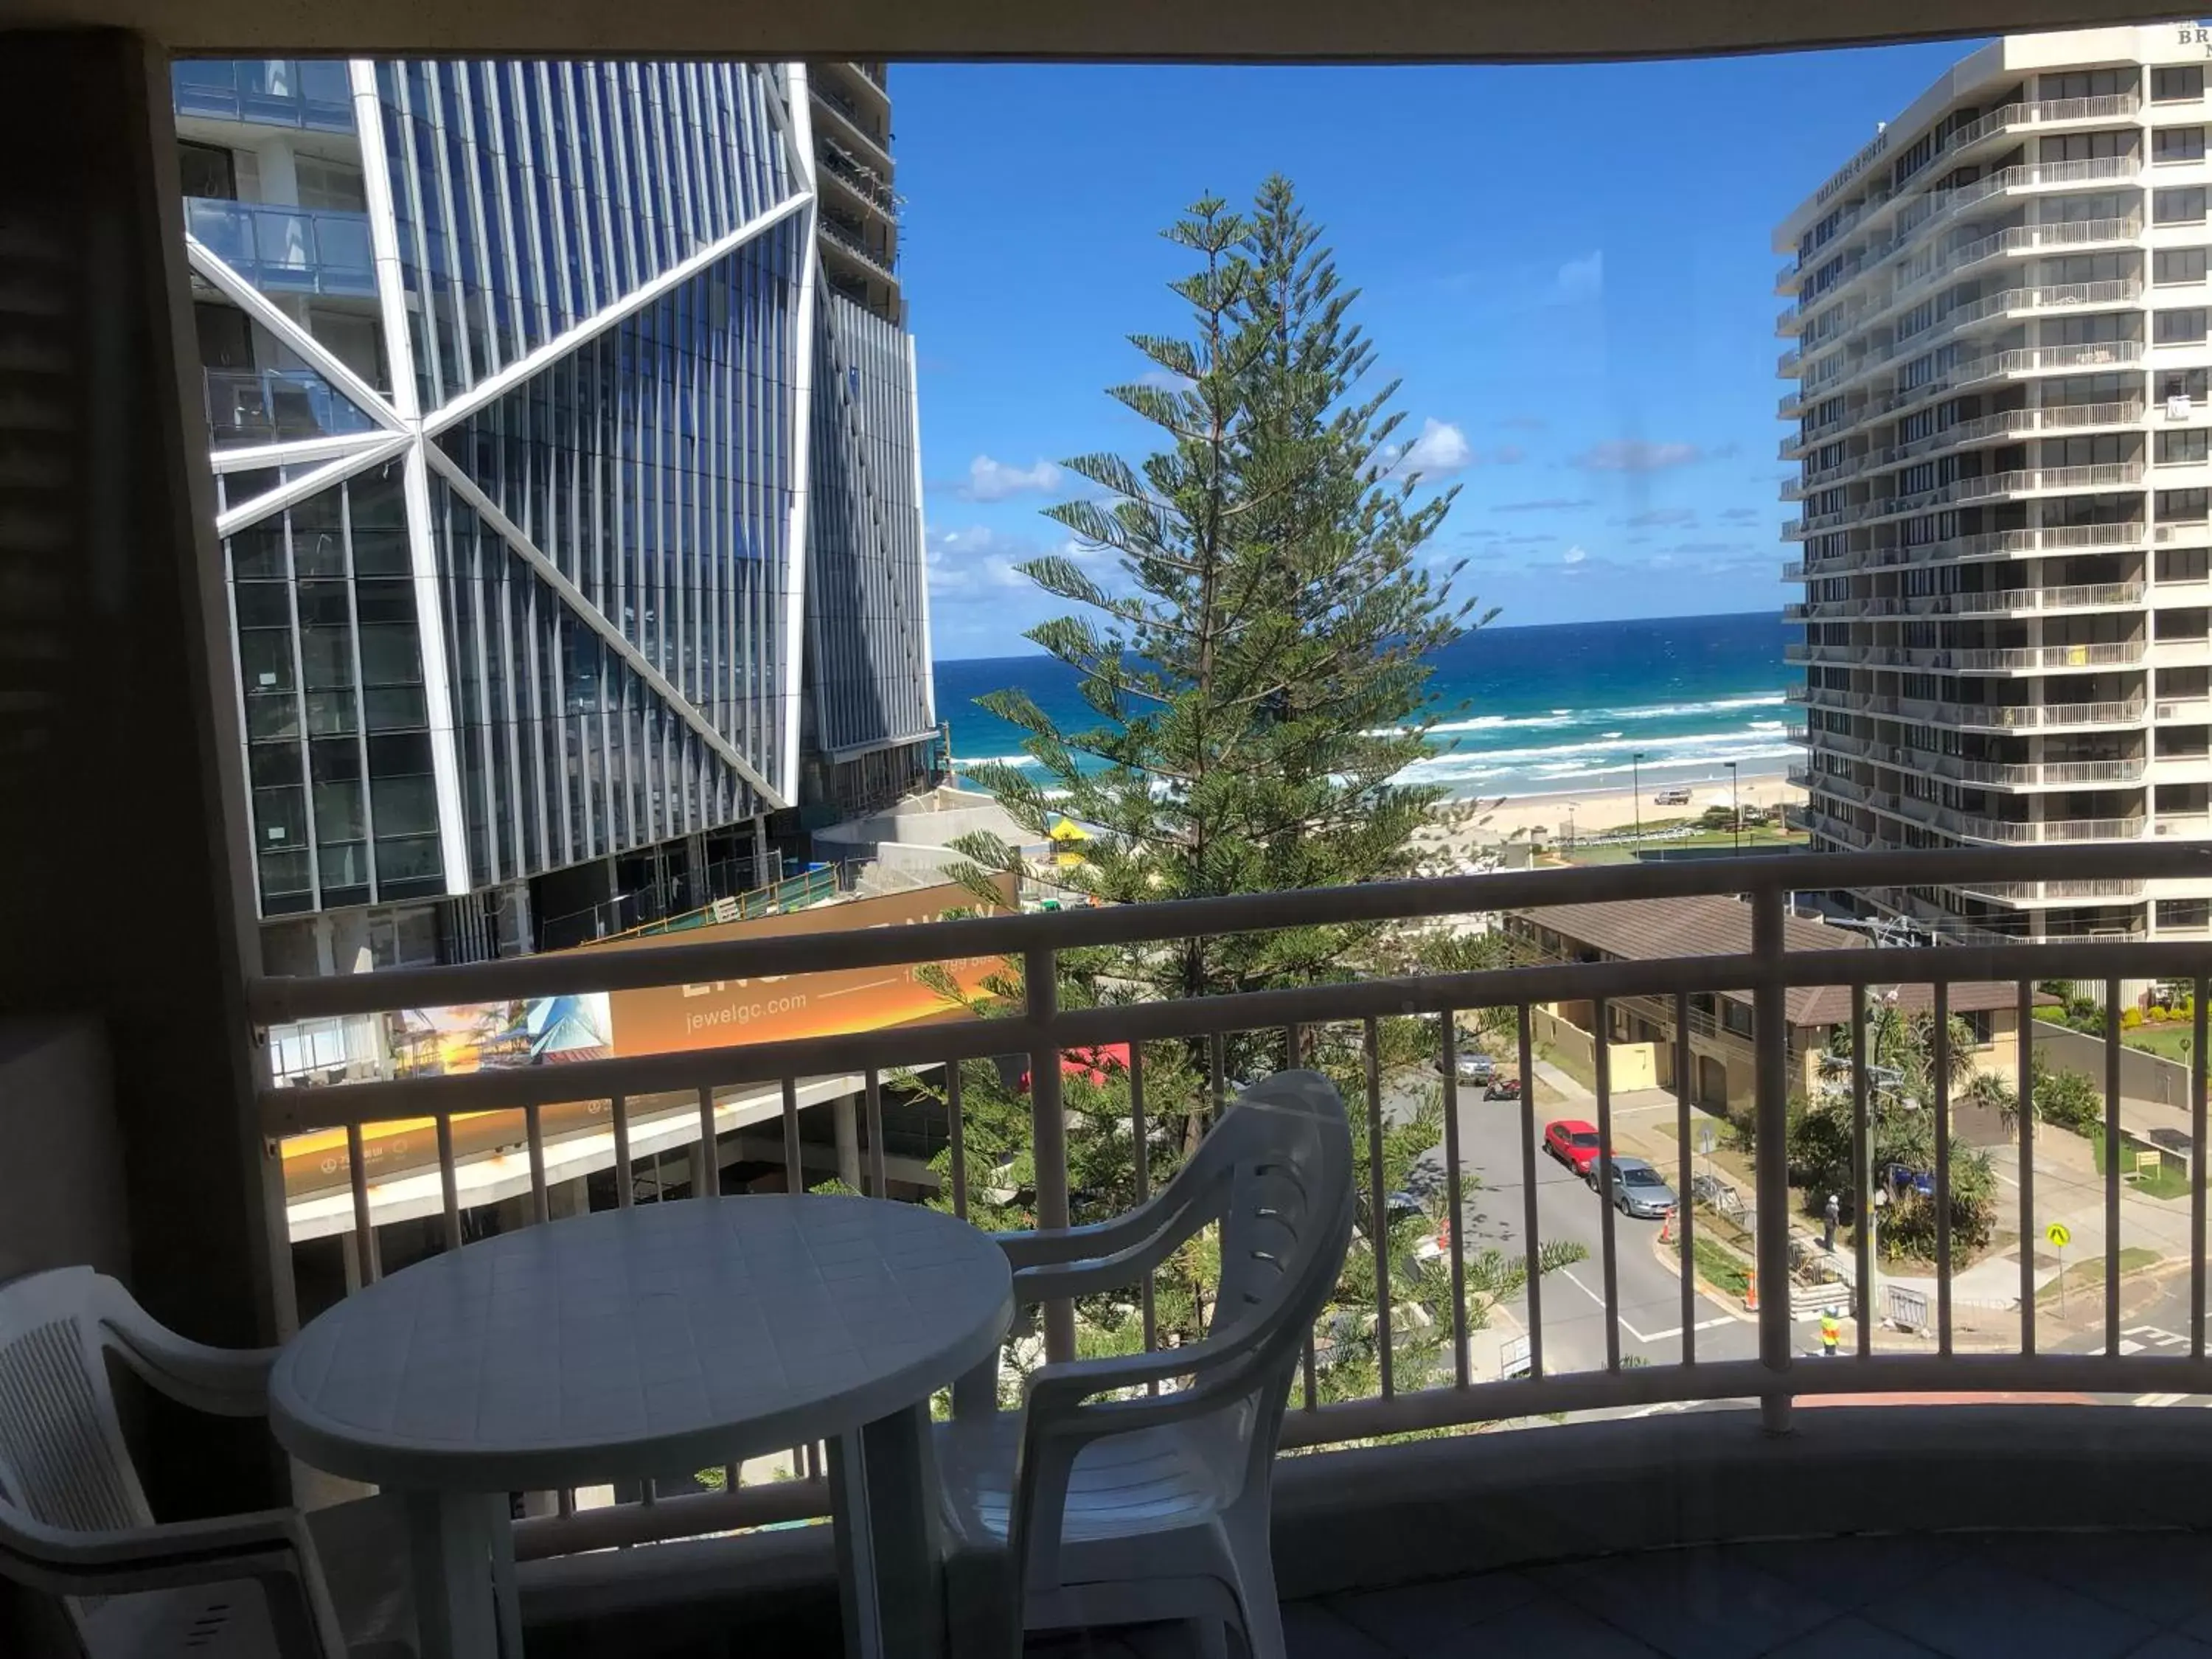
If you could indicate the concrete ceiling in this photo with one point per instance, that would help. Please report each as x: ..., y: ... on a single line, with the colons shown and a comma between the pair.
x: 1284, y: 30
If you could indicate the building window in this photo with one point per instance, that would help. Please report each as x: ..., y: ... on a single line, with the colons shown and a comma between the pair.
x: 2089, y: 83
x: 2177, y: 83
x: 208, y: 172
x: 2178, y: 207
x: 2177, y: 264
x: 2170, y: 144
x: 2183, y: 448
x: 2185, y: 327
x: 2181, y: 506
x: 2183, y: 565
x: 2188, y: 624
x: 2184, y: 913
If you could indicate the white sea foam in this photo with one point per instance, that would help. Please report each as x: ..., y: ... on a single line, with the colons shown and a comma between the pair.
x: 1565, y: 717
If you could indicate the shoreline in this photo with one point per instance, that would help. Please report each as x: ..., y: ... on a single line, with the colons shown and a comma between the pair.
x: 1591, y: 812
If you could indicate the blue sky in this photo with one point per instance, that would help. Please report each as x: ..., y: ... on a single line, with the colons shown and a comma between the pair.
x: 1569, y: 268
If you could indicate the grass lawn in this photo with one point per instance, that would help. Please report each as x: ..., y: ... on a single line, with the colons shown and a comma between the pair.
x: 2168, y: 1041
x: 1719, y: 1267
x: 2089, y: 1275
x: 1625, y: 853
x: 2165, y: 1179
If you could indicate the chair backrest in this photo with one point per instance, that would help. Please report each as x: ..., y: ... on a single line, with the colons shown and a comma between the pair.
x: 1280, y: 1162
x: 64, y: 1461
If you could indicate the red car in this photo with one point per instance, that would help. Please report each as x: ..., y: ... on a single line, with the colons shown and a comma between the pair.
x: 1574, y: 1142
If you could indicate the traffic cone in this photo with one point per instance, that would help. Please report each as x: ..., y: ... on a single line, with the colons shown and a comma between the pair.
x: 1667, y: 1228
x: 1751, y: 1291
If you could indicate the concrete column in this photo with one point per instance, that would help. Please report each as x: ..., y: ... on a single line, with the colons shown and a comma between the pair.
x: 279, y: 169
x: 845, y: 1114
x: 130, y: 690
x: 568, y: 1198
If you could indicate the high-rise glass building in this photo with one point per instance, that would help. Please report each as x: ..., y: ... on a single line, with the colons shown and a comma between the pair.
x: 2000, y: 349
x: 564, y: 432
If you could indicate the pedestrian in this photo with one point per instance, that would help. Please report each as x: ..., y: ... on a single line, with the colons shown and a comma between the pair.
x: 1830, y: 1214
x: 1832, y: 1332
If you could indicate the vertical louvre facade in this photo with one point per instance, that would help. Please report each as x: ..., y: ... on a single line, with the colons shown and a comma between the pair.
x: 871, y: 681
x: 532, y: 485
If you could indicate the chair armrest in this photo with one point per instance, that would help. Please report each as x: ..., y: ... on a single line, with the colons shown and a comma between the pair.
x: 1059, y: 1388
x: 270, y: 1548
x: 223, y: 1382
x: 1037, y: 1249
x: 156, y: 1556
x: 1127, y: 1265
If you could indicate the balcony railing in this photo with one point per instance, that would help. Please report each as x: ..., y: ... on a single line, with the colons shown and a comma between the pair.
x: 2009, y: 832
x: 1967, y: 659
x: 314, y: 94
x: 272, y: 405
x: 847, y: 113
x: 1991, y: 544
x: 2110, y: 106
x: 2011, y: 302
x: 1932, y: 264
x: 852, y: 240
x: 285, y: 249
x: 697, y: 1093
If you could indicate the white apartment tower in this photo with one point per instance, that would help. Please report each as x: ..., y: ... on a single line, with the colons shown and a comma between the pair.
x: 1999, y: 323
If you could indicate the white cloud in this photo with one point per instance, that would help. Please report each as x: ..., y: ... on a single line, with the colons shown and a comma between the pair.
x: 1440, y: 451
x: 994, y: 481
x: 1581, y: 278
x: 972, y: 563
x: 1166, y: 379
x: 1574, y: 554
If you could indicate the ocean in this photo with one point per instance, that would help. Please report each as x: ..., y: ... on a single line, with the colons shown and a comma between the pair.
x: 1555, y: 708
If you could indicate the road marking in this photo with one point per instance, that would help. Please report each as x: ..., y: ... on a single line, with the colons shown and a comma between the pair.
x: 1568, y: 1274
x: 1712, y: 1324
x: 2164, y: 1338
x: 2160, y: 1399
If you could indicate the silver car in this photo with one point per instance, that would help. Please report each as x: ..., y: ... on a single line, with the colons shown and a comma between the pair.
x: 1639, y: 1190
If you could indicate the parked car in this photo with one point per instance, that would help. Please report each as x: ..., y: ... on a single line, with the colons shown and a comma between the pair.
x: 1671, y: 797
x: 1639, y: 1190
x: 1574, y: 1142
x: 1474, y: 1067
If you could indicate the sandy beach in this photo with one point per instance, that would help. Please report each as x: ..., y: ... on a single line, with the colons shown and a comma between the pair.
x: 1460, y: 828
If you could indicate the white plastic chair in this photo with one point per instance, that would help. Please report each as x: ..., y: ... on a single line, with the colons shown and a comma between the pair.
x: 74, y: 1520
x: 1136, y: 1509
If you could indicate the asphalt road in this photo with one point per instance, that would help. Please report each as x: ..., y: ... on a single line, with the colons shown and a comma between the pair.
x: 1649, y: 1306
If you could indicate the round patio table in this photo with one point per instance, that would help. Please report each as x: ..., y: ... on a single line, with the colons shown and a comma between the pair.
x: 654, y: 1342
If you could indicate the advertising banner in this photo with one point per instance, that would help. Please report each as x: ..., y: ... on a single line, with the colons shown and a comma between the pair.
x: 658, y: 1019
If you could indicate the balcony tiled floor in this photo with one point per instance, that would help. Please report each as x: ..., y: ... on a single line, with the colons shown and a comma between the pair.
x: 2083, y: 1596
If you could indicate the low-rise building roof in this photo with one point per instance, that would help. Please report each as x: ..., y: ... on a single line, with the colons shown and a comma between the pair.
x: 1641, y: 930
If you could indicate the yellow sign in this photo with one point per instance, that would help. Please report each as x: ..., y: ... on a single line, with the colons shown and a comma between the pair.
x: 2056, y: 1233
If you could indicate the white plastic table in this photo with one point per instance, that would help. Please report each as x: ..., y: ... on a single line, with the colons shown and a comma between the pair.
x: 655, y: 1340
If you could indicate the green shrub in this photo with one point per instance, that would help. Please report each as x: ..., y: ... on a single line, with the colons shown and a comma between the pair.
x: 2130, y: 1019
x: 2067, y: 1099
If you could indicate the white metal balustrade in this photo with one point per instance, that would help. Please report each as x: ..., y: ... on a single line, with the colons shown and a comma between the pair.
x: 1041, y: 1029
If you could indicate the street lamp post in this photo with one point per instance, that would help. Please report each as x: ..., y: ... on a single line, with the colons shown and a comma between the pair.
x: 1735, y: 806
x: 1636, y: 789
